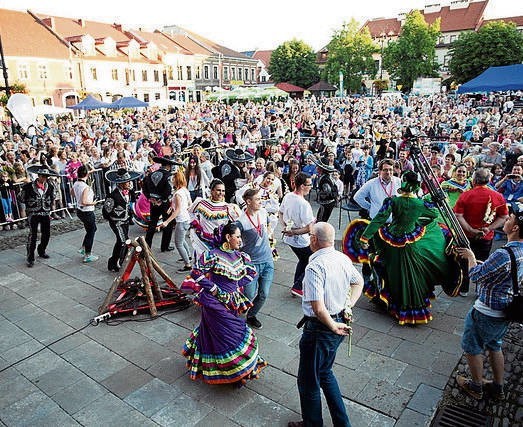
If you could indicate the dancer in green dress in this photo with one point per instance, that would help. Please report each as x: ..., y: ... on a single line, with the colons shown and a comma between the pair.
x: 410, y: 254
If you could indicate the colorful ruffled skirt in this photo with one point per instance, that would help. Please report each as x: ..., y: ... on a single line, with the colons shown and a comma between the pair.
x: 222, y: 349
x: 406, y: 270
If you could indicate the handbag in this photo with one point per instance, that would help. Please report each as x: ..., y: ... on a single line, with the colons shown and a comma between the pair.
x: 514, y: 311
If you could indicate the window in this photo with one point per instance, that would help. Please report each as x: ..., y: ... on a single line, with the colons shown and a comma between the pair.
x: 146, y: 97
x: 170, y: 74
x: 94, y: 75
x: 233, y: 73
x: 23, y: 72
x: 133, y: 74
x: 240, y: 75
x: 42, y: 71
x: 225, y: 73
x: 114, y: 73
x: 215, y: 72
x: 246, y: 74
x: 189, y: 72
x: 144, y: 76
x: 156, y: 75
x: 263, y: 79
x: 198, y: 73
x: 446, y: 60
x: 452, y: 39
x: 253, y: 75
x: 180, y: 72
x: 157, y: 96
x: 206, y: 72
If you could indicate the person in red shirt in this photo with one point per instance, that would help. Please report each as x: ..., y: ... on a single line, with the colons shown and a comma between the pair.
x: 480, y: 211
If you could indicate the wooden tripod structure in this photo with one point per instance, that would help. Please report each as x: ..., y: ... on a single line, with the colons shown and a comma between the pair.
x: 140, y: 253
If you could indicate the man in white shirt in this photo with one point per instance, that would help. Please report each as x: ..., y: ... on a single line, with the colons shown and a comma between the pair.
x: 331, y: 284
x: 296, y: 217
x: 372, y: 194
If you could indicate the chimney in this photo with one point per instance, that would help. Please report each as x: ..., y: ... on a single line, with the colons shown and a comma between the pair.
x: 118, y: 27
x: 81, y: 22
x: 49, y: 22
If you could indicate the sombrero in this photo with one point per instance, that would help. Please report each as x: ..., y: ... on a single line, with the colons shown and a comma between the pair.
x: 238, y: 155
x: 42, y: 170
x: 321, y: 165
x: 119, y: 176
x: 164, y: 161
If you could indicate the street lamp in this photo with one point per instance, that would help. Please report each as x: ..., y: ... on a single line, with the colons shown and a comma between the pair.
x: 383, y: 38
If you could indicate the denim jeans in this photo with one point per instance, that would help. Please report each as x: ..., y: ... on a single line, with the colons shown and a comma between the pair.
x: 258, y: 290
x: 303, y: 255
x: 89, y: 221
x: 318, y: 347
x: 180, y: 230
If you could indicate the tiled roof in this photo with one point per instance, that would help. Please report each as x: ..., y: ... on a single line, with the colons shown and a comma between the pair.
x: 68, y: 27
x: 165, y: 44
x: 22, y: 35
x: 518, y: 20
x: 468, y: 18
x: 187, y: 43
x: 322, y: 86
x: 215, y: 47
x: 263, y: 56
x: 459, y: 19
x: 383, y: 26
x: 287, y: 87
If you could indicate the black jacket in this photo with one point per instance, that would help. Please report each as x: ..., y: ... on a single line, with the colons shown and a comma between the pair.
x: 35, y: 202
x: 115, y: 207
x: 157, y: 185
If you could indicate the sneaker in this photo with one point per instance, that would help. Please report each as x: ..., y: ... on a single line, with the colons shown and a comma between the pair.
x: 91, y: 258
x: 253, y: 322
x: 473, y: 390
x: 463, y: 294
x: 30, y: 263
x: 44, y: 255
x: 184, y: 269
x: 494, y: 391
x: 296, y: 292
x: 81, y: 251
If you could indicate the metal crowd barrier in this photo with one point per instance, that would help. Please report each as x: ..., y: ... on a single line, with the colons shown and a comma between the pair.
x: 65, y: 203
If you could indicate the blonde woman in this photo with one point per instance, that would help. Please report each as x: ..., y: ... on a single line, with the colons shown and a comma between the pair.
x: 180, y: 205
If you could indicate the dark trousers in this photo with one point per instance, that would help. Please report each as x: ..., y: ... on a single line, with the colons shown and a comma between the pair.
x: 156, y: 213
x: 324, y: 212
x: 45, y: 229
x: 303, y: 255
x: 89, y: 221
x: 481, y: 249
x: 318, y: 346
x: 121, y: 231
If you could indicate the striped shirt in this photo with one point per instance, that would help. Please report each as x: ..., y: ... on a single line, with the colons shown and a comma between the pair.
x: 494, y: 281
x: 328, y: 277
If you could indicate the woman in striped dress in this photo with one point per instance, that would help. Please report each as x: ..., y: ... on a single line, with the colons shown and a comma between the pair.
x: 222, y: 349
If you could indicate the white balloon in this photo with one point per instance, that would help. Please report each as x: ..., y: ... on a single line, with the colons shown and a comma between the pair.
x: 21, y: 108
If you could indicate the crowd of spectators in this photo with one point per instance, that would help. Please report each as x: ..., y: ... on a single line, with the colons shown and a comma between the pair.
x: 351, y: 134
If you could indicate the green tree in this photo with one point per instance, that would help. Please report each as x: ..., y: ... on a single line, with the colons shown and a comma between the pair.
x: 413, y: 54
x: 350, y: 51
x: 497, y: 43
x: 295, y: 62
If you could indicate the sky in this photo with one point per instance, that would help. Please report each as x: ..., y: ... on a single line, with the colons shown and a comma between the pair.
x: 245, y: 26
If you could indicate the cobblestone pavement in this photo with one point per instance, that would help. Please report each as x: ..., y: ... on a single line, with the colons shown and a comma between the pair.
x: 133, y: 373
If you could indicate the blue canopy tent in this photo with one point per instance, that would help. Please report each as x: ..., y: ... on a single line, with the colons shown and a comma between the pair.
x: 495, y: 79
x: 89, y: 103
x: 128, y: 102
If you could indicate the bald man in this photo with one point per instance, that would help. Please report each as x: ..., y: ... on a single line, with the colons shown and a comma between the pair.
x: 328, y: 278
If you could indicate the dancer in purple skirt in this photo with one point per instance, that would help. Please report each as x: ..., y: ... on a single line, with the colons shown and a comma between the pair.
x: 223, y: 349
